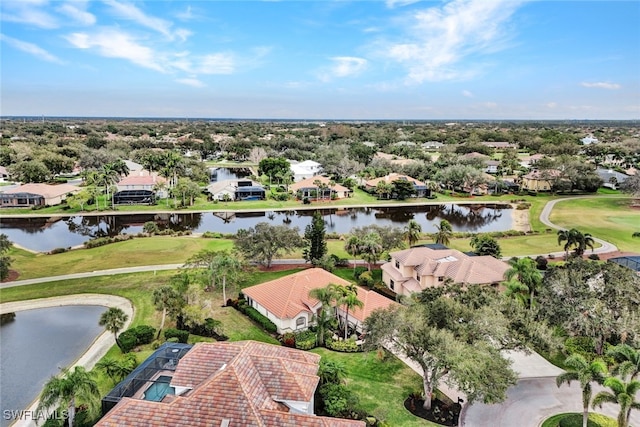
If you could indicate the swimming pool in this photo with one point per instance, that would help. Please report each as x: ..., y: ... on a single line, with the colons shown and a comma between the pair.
x: 159, y: 389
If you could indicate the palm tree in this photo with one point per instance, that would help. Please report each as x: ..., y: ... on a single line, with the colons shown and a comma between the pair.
x: 525, y: 271
x: 349, y: 300
x: 113, y: 320
x: 164, y: 298
x: 106, y: 177
x: 117, y: 370
x: 318, y: 184
x: 412, y: 231
x: 517, y: 290
x: 627, y: 359
x: 68, y: 389
x: 574, y: 238
x: 325, y: 296
x: 578, y: 369
x: 371, y: 248
x: 624, y: 394
x: 444, y: 234
x: 352, y: 246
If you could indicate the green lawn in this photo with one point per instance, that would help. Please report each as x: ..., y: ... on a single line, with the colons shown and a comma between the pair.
x: 609, y: 218
x: 573, y: 419
x: 381, y: 385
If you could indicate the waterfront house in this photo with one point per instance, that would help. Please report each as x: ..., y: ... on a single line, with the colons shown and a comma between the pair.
x: 304, y: 170
x: 144, y: 180
x: 236, y: 189
x: 29, y: 195
x: 286, y: 301
x: 415, y: 269
x: 419, y: 187
x: 319, y: 187
x: 229, y: 384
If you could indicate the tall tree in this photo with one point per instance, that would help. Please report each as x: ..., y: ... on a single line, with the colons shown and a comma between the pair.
x: 403, y: 188
x: 5, y: 260
x: 68, y: 390
x: 412, y: 232
x: 164, y: 298
x: 113, y: 320
x: 573, y: 238
x: 264, y: 242
x: 578, y: 369
x: 371, y: 248
x: 483, y: 244
x: 525, y: 271
x: 314, y: 240
x: 325, y: 296
x: 444, y: 233
x: 446, y: 337
x: 349, y: 300
x: 622, y: 393
x: 352, y: 246
x: 117, y: 370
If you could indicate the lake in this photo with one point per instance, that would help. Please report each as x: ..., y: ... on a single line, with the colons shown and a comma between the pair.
x: 36, y: 344
x: 45, y: 234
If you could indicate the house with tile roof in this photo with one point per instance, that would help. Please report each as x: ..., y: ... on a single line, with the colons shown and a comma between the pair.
x: 539, y: 180
x: 415, y: 269
x: 28, y: 195
x: 144, y: 180
x: 311, y: 187
x: 420, y: 188
x: 231, y: 384
x: 286, y: 301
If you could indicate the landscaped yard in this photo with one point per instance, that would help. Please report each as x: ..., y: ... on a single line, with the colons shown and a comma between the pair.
x: 381, y: 385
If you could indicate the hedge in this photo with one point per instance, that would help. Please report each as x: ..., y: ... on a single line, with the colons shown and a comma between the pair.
x: 256, y: 316
x: 182, y: 336
x: 143, y: 334
x: 348, y: 346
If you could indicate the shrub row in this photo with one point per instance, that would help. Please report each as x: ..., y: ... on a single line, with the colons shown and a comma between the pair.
x: 180, y: 336
x: 348, y: 346
x: 143, y: 334
x: 101, y: 241
x: 242, y: 306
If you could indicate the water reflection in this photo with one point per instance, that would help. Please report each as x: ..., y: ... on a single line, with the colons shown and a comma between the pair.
x: 44, y: 234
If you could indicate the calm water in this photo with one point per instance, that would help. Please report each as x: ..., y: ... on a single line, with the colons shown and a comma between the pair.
x: 44, y: 234
x: 36, y: 344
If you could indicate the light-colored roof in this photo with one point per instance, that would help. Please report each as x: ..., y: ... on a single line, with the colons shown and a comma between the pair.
x: 452, y: 264
x: 45, y: 190
x: 242, y: 382
x: 287, y: 296
x: 310, y: 182
x: 142, y: 179
x: 392, y: 177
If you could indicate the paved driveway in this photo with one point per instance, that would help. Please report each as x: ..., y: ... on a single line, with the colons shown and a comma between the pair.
x: 534, y: 398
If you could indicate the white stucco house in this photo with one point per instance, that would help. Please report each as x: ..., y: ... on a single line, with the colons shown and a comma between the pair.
x: 304, y: 170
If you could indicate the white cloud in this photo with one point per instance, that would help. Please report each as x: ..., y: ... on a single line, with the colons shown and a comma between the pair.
x: 133, y: 13
x: 467, y: 93
x: 191, y: 81
x: 113, y: 43
x: 28, y: 12
x: 76, y: 10
x: 215, y: 63
x: 601, y: 85
x: 393, y: 3
x: 30, y: 48
x: 185, y: 15
x: 441, y: 37
x: 343, y: 66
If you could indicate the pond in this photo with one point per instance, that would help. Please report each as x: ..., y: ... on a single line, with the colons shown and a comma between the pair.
x: 35, y: 345
x: 45, y: 234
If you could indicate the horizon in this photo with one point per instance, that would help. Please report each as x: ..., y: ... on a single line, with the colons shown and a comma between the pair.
x: 498, y: 60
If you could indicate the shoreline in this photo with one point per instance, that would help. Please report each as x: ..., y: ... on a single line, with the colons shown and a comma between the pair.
x: 96, y: 350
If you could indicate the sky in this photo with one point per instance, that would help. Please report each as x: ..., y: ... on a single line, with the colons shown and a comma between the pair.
x: 332, y: 59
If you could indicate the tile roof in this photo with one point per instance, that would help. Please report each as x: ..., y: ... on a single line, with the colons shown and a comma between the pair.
x: 142, y: 179
x: 392, y: 177
x: 452, y: 264
x: 242, y: 382
x: 45, y: 190
x: 310, y: 183
x: 371, y: 301
x: 287, y: 296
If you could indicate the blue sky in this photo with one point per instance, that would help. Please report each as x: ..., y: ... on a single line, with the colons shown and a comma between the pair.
x: 394, y: 59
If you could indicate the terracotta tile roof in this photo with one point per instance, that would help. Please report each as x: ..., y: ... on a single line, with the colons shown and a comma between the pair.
x: 144, y: 179
x: 310, y: 183
x: 242, y: 382
x: 45, y: 190
x: 449, y: 263
x: 371, y: 301
x: 392, y: 177
x: 287, y: 296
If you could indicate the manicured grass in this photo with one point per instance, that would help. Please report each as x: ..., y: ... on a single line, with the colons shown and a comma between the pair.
x: 609, y: 218
x: 519, y: 245
x: 381, y: 385
x: 573, y: 419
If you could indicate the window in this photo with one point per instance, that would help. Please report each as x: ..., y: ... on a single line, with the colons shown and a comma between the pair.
x: 417, y: 276
x: 300, y: 322
x: 392, y: 285
x: 440, y: 278
x: 397, y: 264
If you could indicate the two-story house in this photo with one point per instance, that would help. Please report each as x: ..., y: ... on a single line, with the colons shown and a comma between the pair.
x: 415, y: 269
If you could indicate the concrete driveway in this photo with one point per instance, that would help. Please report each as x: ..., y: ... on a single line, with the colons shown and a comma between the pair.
x: 534, y: 398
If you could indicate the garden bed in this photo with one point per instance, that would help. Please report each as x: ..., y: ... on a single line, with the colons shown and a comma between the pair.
x: 443, y: 413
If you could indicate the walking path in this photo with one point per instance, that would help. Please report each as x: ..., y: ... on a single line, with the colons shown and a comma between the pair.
x: 96, y: 350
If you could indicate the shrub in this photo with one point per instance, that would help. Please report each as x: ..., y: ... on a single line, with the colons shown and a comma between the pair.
x: 337, y: 399
x: 181, y: 336
x: 594, y: 257
x: 366, y: 279
x: 58, y: 251
x: 127, y: 340
x: 580, y: 345
x: 257, y: 317
x: 358, y: 271
x: 144, y: 334
x: 212, y: 235
x: 348, y: 346
x: 288, y: 339
x: 150, y: 227
x: 305, y: 340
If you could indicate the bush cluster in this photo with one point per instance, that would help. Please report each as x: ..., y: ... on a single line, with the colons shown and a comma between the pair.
x: 305, y: 340
x: 101, y: 241
x: 181, y: 336
x: 58, y: 251
x: 132, y: 337
x: 348, y: 346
